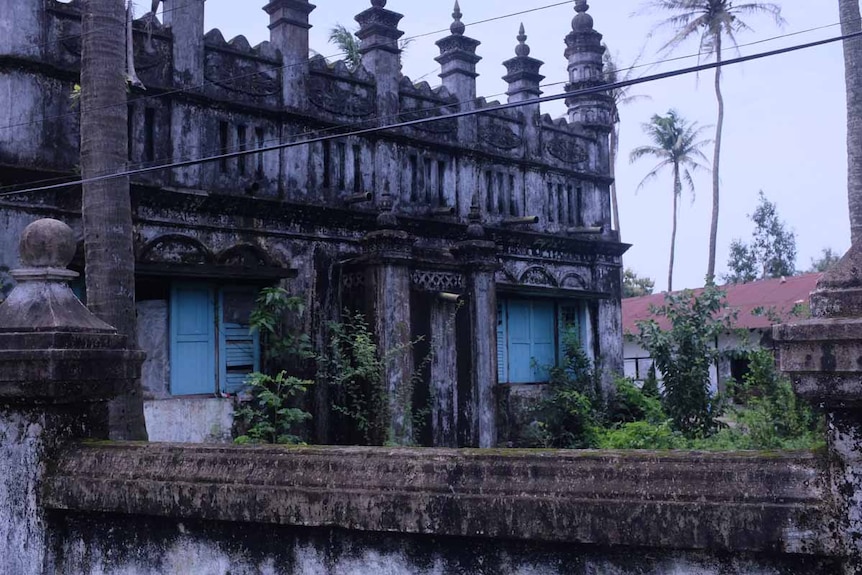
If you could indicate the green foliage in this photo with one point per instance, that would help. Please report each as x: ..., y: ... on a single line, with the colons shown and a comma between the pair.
x: 742, y: 264
x: 354, y: 367
x: 271, y: 415
x: 771, y: 252
x: 771, y: 415
x: 684, y: 355
x: 636, y: 286
x: 827, y: 259
x: 641, y: 435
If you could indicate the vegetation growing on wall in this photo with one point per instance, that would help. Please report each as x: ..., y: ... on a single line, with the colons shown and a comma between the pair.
x: 681, y: 412
x: 272, y: 413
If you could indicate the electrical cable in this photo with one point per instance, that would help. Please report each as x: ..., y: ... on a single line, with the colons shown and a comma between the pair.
x: 192, y: 89
x: 363, y: 131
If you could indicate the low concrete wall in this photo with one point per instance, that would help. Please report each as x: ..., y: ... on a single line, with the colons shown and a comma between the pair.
x: 189, y: 420
x: 766, y: 510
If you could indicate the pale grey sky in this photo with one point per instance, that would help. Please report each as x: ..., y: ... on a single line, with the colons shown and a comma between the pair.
x: 784, y: 130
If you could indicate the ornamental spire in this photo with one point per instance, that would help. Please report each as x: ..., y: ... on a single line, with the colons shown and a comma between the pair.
x: 457, y: 28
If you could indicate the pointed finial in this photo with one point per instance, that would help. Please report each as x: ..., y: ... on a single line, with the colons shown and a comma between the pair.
x: 378, y: 3
x: 581, y: 6
x: 522, y: 49
x: 457, y: 28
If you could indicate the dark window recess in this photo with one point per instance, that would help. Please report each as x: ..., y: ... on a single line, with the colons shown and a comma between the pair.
x: 357, y: 169
x: 513, y: 203
x: 561, y: 205
x: 342, y: 165
x: 242, y: 139
x: 428, y: 180
x: 570, y: 198
x: 414, y: 177
x: 550, y: 203
x: 489, y: 192
x: 259, y: 136
x: 579, y: 199
x: 327, y: 164
x: 223, y: 145
x: 441, y: 181
x: 149, y: 134
x: 501, y: 195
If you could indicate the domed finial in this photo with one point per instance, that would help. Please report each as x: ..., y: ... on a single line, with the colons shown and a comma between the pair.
x: 378, y: 3
x: 386, y: 219
x: 457, y: 28
x: 522, y: 49
x: 47, y: 243
x: 582, y: 21
x: 475, y: 229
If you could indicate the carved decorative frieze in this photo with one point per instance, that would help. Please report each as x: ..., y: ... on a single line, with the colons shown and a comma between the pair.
x: 538, y: 276
x: 175, y: 249
x: 498, y: 135
x: 235, y: 75
x: 567, y: 150
x: 442, y: 126
x: 327, y: 95
x: 432, y: 281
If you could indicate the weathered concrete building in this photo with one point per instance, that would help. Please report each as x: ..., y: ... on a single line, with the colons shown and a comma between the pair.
x: 506, y: 209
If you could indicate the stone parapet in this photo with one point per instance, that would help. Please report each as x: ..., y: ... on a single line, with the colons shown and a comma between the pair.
x: 735, y: 502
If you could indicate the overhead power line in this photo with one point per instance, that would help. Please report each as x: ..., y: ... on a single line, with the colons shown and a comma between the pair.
x: 195, y: 88
x: 65, y: 179
x: 364, y: 131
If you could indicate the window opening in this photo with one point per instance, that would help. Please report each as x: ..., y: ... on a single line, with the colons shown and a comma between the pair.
x: 259, y: 136
x: 223, y: 145
x: 327, y: 164
x: 357, y: 169
x: 242, y: 138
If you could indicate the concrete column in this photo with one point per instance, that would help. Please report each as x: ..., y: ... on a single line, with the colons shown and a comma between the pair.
x: 444, y: 374
x: 289, y: 26
x: 823, y: 357
x: 479, y: 258
x: 458, y: 61
x: 59, y: 365
x: 185, y: 18
x: 381, y: 56
x: 388, y: 254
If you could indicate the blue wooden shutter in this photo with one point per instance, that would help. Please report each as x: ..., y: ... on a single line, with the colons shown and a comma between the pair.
x: 543, y: 339
x: 502, y: 344
x: 193, y: 368
x: 520, y: 342
x: 239, y: 349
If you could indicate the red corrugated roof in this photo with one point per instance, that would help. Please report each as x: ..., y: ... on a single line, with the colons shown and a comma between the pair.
x: 780, y: 295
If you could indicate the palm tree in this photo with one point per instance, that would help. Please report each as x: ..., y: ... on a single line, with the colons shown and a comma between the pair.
x: 347, y: 42
x: 621, y: 97
x: 850, y: 23
x: 106, y: 205
x: 713, y: 22
x: 677, y: 145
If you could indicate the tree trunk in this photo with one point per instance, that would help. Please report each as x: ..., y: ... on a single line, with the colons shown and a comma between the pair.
x: 615, y: 147
x: 106, y: 206
x: 850, y: 23
x: 677, y: 187
x: 716, y: 160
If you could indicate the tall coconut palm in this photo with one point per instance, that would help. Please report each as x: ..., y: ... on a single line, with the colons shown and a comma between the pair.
x: 850, y: 23
x: 714, y: 23
x: 677, y: 145
x: 106, y: 206
x: 621, y: 97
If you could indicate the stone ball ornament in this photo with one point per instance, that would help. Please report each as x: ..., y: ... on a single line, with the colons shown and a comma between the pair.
x: 47, y: 243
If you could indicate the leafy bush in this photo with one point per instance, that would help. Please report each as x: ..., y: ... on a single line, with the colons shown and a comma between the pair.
x: 268, y: 417
x: 685, y: 353
x: 641, y: 435
x: 272, y: 415
x: 354, y: 367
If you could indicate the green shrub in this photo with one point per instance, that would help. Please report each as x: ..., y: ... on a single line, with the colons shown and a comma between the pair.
x: 641, y: 435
